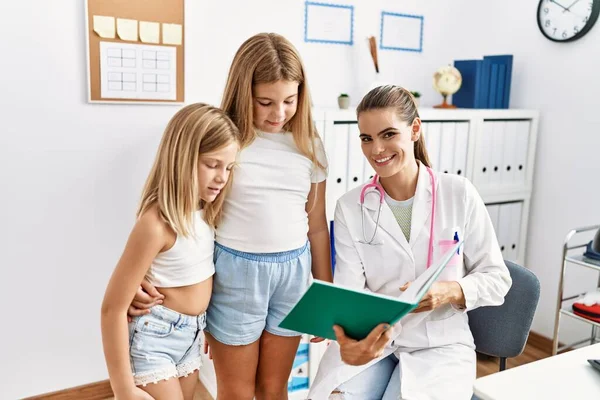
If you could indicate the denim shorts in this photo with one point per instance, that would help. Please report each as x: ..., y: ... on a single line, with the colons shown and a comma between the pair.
x: 165, y: 344
x: 254, y: 292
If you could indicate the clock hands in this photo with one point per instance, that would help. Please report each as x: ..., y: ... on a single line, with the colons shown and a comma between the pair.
x: 560, y: 5
x: 569, y: 8
x: 565, y: 9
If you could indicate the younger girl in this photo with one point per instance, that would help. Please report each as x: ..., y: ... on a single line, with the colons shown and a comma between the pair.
x: 171, y: 246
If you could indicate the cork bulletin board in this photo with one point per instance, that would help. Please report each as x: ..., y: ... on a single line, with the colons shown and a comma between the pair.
x: 135, y: 51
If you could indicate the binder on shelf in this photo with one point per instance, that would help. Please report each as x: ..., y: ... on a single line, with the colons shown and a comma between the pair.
x: 461, y: 144
x: 500, y: 86
x: 509, y: 226
x: 503, y: 62
x: 497, y: 156
x: 521, y: 152
x: 485, y: 83
x: 486, y: 72
x: 484, y: 170
x: 434, y: 132
x: 493, y: 86
x: 336, y: 148
x: 509, y: 153
x: 447, y: 147
x: 470, y: 94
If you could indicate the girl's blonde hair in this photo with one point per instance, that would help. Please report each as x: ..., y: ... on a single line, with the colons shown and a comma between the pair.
x: 403, y: 104
x: 267, y: 58
x: 173, y: 181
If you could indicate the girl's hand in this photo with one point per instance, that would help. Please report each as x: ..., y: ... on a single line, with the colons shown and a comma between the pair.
x: 360, y: 352
x: 439, y: 293
x: 317, y: 339
x: 145, y: 298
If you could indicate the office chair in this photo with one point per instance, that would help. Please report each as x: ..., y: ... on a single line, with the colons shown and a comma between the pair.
x: 502, y: 331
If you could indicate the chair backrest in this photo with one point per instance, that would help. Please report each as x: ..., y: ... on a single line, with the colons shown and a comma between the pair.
x: 502, y: 331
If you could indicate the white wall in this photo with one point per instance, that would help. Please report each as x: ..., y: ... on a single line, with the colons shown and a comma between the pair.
x: 71, y: 172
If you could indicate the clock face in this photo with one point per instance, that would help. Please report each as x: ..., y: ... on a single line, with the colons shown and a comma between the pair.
x: 567, y: 20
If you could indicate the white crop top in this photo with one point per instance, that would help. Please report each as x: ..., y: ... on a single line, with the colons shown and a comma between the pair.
x: 189, y: 261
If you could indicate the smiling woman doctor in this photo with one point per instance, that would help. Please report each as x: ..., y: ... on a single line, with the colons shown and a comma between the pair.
x: 386, y: 234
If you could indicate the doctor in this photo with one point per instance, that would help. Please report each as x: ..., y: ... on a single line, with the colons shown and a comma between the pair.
x: 407, y: 218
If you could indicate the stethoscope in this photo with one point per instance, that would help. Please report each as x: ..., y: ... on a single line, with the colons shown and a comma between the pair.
x: 376, y: 185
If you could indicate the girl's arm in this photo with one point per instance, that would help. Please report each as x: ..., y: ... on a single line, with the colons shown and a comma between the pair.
x: 146, y: 240
x: 318, y: 233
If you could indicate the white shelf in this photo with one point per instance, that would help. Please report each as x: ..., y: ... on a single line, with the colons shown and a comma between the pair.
x: 584, y: 262
x: 562, y: 304
x: 573, y: 315
x: 502, y: 195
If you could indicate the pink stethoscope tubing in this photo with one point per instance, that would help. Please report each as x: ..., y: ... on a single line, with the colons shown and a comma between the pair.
x: 375, y: 185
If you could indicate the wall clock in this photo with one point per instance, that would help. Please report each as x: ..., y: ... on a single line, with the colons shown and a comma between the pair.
x: 567, y: 20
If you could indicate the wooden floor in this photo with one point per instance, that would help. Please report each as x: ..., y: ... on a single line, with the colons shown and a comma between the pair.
x: 488, y: 365
x: 485, y: 366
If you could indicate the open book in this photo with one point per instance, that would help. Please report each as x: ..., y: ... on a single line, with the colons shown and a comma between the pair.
x: 358, y: 311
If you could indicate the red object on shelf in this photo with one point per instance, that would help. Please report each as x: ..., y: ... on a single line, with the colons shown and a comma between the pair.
x: 588, y: 312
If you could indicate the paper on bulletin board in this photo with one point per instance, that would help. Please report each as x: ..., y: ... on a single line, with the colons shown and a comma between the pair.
x: 328, y: 23
x: 149, y: 32
x: 172, y: 34
x: 127, y: 29
x: 136, y: 71
x: 104, y: 26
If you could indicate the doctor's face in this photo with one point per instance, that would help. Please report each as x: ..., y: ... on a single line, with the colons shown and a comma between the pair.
x: 387, y: 142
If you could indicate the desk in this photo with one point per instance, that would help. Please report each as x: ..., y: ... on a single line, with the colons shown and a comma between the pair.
x: 564, y: 376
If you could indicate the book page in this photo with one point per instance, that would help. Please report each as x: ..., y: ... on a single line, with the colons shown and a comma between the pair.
x: 421, y: 285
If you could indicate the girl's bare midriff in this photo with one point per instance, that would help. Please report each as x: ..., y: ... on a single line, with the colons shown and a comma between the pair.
x: 189, y: 300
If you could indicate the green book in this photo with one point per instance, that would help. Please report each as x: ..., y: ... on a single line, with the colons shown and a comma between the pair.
x: 324, y: 305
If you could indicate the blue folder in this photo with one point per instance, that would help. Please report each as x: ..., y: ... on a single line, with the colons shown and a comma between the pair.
x: 469, y: 94
x: 486, y: 72
x: 493, y: 86
x: 504, y: 62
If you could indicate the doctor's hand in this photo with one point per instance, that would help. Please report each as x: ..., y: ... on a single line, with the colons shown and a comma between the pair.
x: 439, y: 293
x: 360, y: 352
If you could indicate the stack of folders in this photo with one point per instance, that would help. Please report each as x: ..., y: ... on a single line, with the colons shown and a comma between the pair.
x: 485, y: 83
x: 358, y: 312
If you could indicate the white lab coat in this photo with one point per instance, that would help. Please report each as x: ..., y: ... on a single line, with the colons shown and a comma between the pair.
x: 435, y: 349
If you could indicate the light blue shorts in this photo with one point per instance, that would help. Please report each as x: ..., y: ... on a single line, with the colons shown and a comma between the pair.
x: 254, y: 292
x: 165, y: 344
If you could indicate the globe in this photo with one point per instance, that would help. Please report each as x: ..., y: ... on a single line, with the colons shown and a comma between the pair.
x: 446, y: 81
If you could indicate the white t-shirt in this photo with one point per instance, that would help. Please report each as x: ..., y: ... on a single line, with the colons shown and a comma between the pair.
x: 265, y: 211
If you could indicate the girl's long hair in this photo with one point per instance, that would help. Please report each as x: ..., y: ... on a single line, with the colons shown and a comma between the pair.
x: 267, y: 58
x: 173, y: 180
